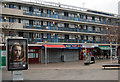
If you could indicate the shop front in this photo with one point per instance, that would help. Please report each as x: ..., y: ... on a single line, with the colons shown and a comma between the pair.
x: 61, y: 53
x: 34, y: 54
x: 86, y: 51
x: 71, y: 52
x: 105, y: 51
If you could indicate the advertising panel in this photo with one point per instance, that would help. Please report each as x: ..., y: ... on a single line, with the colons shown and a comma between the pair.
x: 17, y: 54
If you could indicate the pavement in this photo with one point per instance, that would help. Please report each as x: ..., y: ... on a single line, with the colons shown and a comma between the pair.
x: 67, y: 71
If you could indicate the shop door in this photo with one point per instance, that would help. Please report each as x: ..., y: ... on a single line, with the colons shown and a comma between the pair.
x: 33, y: 56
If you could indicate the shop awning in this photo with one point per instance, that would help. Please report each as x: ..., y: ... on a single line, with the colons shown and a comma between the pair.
x: 104, y: 47
x: 54, y: 46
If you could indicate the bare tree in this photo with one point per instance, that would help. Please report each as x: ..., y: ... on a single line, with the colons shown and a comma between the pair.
x: 112, y: 37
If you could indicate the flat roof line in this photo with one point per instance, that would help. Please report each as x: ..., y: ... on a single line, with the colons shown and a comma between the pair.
x: 55, y: 5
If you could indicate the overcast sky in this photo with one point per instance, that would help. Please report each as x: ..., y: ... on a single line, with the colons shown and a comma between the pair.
x: 110, y: 6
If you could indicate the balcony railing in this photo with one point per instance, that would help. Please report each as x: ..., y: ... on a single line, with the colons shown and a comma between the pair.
x: 61, y: 29
x: 35, y: 40
x: 56, y: 16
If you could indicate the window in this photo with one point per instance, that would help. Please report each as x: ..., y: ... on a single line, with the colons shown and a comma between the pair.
x: 30, y: 22
x: 85, y: 27
x: 41, y: 10
x: 44, y: 23
x: 20, y: 34
x: 97, y: 29
x: 11, y: 6
x: 66, y: 36
x: 89, y: 28
x: 66, y: 25
x: 6, y: 5
x: 71, y: 26
x: 85, y: 37
x: 19, y: 7
x: 93, y: 18
x: 19, y: 20
x: 16, y: 7
x: 90, y: 38
x: 16, y: 20
x: 97, y: 38
x: 72, y: 37
x: 31, y: 9
x: 66, y: 14
x: 31, y: 35
x: 45, y: 35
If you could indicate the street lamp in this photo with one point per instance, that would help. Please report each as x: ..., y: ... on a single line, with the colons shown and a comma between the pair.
x: 45, y: 52
x: 85, y: 49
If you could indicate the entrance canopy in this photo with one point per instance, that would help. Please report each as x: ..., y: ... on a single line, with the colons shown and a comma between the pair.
x: 104, y: 47
x: 54, y: 46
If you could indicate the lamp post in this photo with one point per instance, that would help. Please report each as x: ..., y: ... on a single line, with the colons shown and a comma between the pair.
x: 85, y: 49
x: 45, y: 52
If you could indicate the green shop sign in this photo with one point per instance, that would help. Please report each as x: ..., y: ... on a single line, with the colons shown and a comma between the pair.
x: 104, y: 47
x: 2, y: 58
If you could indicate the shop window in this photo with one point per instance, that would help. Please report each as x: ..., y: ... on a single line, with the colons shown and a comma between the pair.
x: 37, y: 55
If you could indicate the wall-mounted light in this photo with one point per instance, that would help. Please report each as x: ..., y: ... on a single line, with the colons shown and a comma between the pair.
x: 47, y: 27
x: 5, y: 4
x: 106, y: 19
x: 53, y: 34
x: 5, y: 18
x: 53, y: 11
x: 53, y: 22
x: 78, y: 35
x: 107, y: 28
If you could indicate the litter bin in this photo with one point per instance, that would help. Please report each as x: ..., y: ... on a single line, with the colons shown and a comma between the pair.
x: 92, y: 59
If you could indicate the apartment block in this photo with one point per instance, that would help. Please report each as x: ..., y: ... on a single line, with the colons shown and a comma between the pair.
x: 68, y: 33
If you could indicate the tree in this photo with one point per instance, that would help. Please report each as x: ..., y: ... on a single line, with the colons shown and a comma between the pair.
x: 112, y: 37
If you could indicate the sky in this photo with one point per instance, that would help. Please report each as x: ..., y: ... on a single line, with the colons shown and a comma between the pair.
x: 110, y: 6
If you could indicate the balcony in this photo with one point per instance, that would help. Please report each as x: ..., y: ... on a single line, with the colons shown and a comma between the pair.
x: 10, y: 11
x: 56, y: 16
x: 61, y: 29
x: 35, y: 40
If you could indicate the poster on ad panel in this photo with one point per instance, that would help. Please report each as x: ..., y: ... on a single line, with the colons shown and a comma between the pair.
x: 17, y: 54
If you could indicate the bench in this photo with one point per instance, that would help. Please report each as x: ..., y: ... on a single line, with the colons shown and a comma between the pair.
x: 110, y: 65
